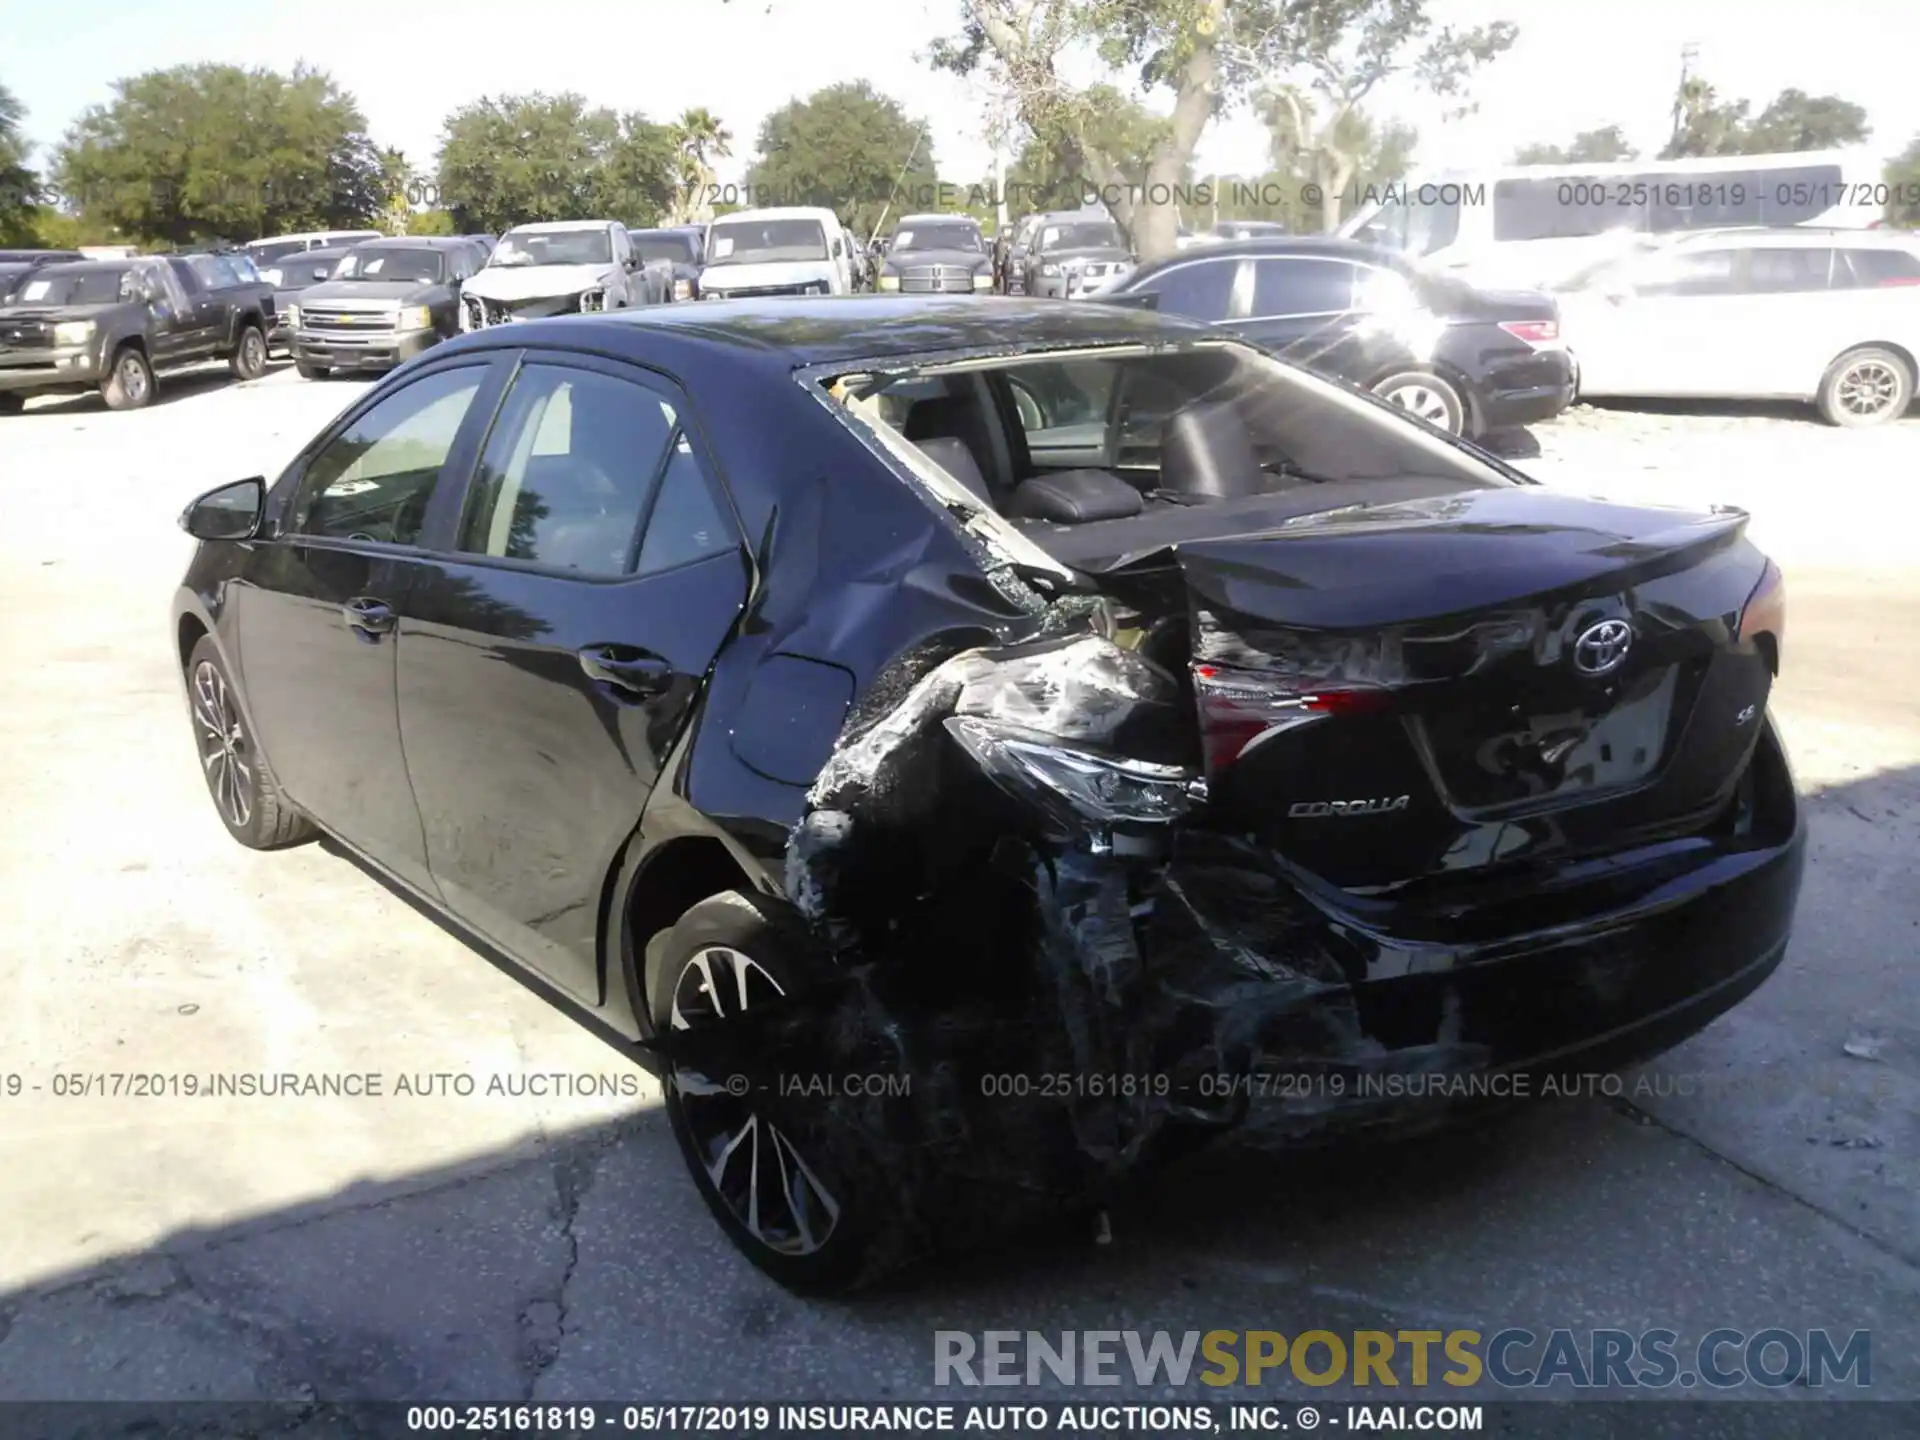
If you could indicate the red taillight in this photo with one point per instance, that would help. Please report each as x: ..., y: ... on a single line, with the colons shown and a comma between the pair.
x: 1237, y: 707
x: 1900, y: 280
x: 1534, y: 332
x: 1764, y: 621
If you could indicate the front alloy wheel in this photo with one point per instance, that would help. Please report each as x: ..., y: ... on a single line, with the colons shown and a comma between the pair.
x: 245, y: 794
x: 225, y: 753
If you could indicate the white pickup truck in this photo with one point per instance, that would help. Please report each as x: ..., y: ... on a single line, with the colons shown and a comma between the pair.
x: 561, y: 267
x: 795, y: 250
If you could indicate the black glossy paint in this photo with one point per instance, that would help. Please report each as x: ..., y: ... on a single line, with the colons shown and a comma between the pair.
x: 469, y: 750
x: 1505, y: 381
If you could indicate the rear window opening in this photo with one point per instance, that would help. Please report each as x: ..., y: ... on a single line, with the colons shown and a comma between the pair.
x: 1153, y: 440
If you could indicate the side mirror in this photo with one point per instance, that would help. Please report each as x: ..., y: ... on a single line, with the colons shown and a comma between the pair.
x: 232, y: 512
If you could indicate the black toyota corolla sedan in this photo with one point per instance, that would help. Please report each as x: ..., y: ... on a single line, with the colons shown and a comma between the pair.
x: 1467, y: 360
x: 974, y: 746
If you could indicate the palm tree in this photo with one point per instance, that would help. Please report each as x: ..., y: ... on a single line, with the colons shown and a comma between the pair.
x: 700, y: 138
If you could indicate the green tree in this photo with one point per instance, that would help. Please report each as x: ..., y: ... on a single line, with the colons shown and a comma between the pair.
x: 1903, y: 182
x: 1343, y: 51
x: 432, y: 222
x: 699, y: 139
x: 1589, y: 146
x: 1704, y: 124
x: 1318, y: 59
x: 509, y: 159
x: 201, y: 151
x: 20, y: 189
x: 1049, y: 172
x: 1795, y: 120
x: 849, y: 148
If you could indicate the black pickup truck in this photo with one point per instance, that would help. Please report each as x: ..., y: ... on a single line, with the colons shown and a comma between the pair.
x: 112, y: 325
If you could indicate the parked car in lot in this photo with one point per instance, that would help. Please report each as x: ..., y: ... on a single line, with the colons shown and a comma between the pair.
x: 1470, y: 361
x: 1014, y: 278
x: 266, y: 251
x: 1827, y: 316
x: 937, y: 254
x: 1031, y: 689
x: 561, y: 267
x: 17, y: 265
x: 289, y: 276
x: 792, y: 250
x: 113, y: 325
x: 484, y: 242
x: 1075, y: 254
x: 385, y: 302
x: 680, y: 249
x: 1241, y: 230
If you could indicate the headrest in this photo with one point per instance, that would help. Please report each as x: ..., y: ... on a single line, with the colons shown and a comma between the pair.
x: 1205, y: 450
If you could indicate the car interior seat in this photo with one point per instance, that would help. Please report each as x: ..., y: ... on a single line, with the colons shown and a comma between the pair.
x: 960, y: 417
x: 581, y: 507
x: 1206, y: 450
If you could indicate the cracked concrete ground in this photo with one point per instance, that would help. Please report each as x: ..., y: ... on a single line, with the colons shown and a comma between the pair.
x: 447, y: 1246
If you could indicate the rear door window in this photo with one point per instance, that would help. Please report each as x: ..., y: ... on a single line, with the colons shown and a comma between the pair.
x: 1300, y: 286
x: 1694, y: 272
x: 1782, y: 270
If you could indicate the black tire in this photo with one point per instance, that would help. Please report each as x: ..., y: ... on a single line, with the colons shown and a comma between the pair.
x: 1868, y: 386
x: 310, y: 372
x: 129, y: 383
x: 825, y: 1243
x: 245, y: 795
x: 12, y: 403
x: 249, y: 358
x: 1427, y: 395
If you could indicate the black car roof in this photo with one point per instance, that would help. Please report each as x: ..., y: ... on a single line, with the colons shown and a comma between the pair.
x: 824, y: 330
x: 1327, y: 245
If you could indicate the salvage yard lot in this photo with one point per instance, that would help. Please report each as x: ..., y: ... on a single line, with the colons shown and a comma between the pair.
x: 548, y: 1244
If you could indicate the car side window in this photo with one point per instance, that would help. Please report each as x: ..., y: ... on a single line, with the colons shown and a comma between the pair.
x: 190, y: 282
x: 1694, y: 272
x: 1857, y: 266
x: 568, y: 471
x: 1785, y: 271
x: 1302, y: 287
x: 372, y: 481
x: 685, y: 522
x: 1202, y: 291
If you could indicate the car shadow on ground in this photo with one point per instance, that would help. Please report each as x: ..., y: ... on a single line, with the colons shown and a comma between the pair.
x: 1511, y: 444
x: 418, y: 1287
x: 1801, y: 411
x: 167, y: 389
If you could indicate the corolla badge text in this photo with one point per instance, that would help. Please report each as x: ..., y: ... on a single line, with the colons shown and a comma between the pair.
x: 1314, y: 809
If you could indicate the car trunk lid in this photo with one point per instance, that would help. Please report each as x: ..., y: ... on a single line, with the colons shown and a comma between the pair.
x: 1387, y: 692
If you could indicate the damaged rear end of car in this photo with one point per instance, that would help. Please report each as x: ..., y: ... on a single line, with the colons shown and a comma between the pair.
x: 1287, y: 824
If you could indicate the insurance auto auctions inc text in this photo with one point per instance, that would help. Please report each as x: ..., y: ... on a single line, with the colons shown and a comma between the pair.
x: 1512, y: 1358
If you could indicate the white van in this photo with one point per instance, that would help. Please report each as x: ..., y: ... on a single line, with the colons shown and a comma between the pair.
x: 793, y: 250
x: 1535, y: 225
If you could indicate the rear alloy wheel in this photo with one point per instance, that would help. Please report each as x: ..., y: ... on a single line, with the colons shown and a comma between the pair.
x: 249, y: 358
x: 1422, y: 393
x: 245, y: 794
x: 129, y: 384
x: 1869, y: 386
x: 777, y: 1201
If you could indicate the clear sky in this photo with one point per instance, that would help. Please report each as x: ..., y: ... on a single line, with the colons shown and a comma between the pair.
x: 1578, y: 63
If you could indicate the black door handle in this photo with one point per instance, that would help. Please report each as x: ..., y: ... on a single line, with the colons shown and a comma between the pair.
x: 370, y: 616
x: 636, y: 671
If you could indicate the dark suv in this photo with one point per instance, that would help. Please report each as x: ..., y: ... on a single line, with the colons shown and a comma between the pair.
x: 17, y: 265
x: 113, y: 325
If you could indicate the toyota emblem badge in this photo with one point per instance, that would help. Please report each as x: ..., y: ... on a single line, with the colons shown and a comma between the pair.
x: 1602, y: 648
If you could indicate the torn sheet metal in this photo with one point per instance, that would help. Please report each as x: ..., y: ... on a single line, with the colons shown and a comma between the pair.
x: 1126, y: 989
